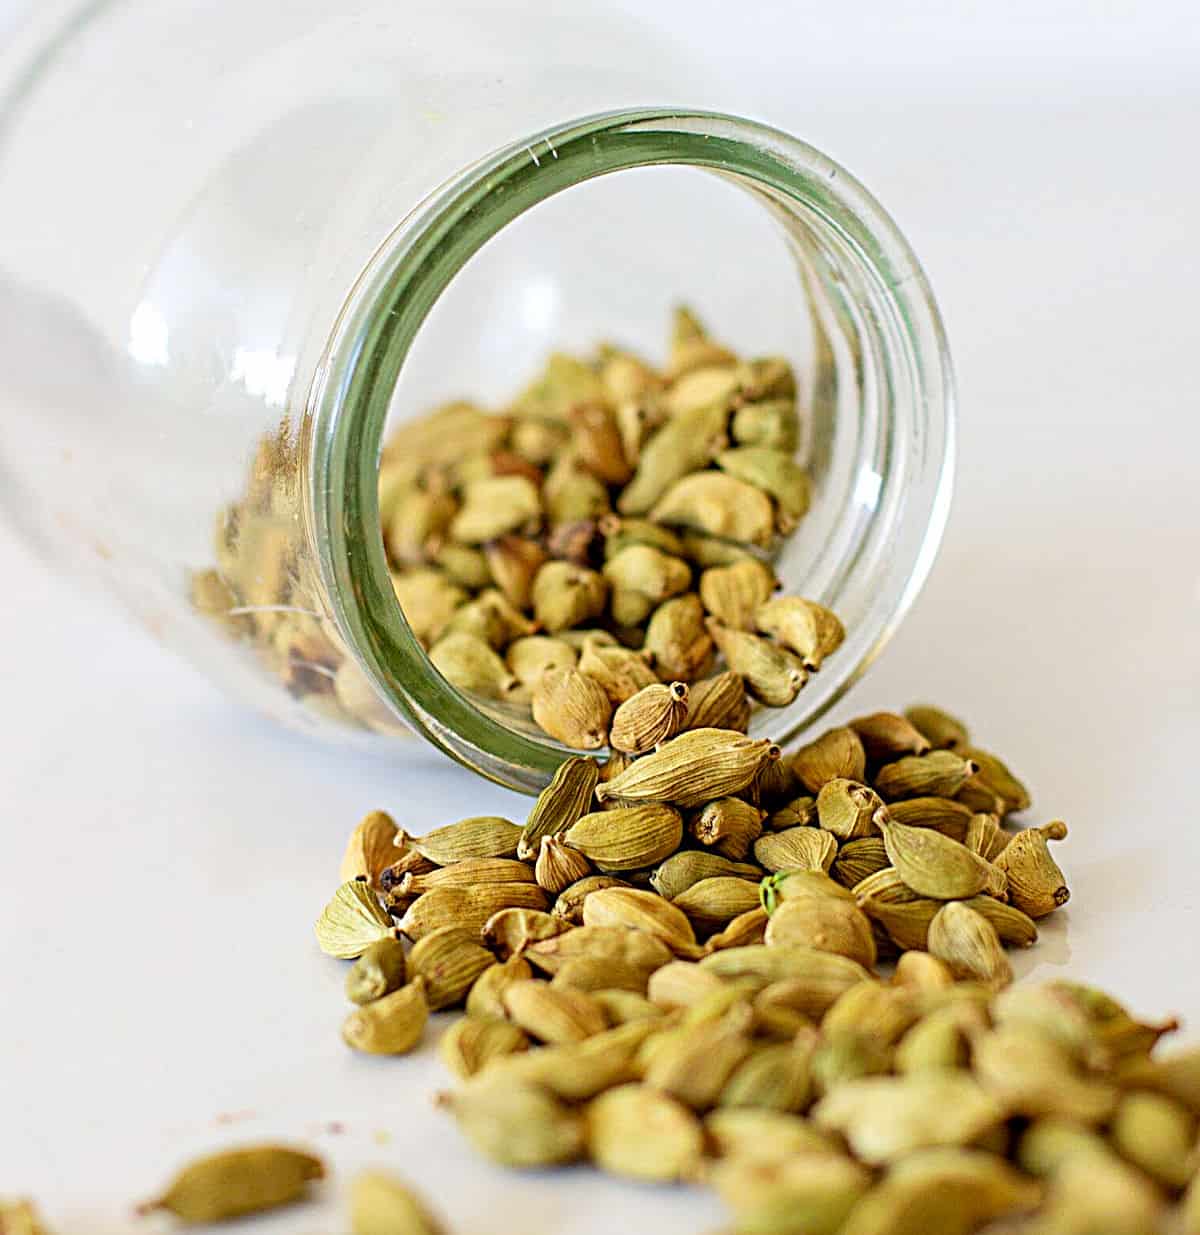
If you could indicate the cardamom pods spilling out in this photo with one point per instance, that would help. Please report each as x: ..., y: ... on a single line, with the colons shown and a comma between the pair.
x: 714, y: 1004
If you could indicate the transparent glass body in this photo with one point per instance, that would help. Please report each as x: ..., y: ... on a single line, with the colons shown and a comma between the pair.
x: 236, y: 243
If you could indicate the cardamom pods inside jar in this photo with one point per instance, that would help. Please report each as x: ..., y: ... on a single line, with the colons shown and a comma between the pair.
x: 471, y: 405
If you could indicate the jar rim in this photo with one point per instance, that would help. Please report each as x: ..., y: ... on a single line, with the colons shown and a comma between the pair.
x: 354, y: 382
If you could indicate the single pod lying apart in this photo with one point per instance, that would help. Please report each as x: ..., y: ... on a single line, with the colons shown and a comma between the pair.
x: 238, y: 1182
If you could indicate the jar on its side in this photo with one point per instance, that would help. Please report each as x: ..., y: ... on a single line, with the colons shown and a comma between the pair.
x: 234, y: 247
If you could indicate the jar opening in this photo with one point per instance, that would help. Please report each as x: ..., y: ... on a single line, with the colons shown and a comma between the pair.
x: 879, y: 402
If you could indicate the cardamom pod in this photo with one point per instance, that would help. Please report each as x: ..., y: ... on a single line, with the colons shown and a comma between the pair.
x: 759, y: 1134
x: 516, y: 1124
x: 566, y: 595
x: 774, y: 786
x: 678, y: 643
x: 886, y: 736
x: 514, y: 562
x: 907, y: 922
x: 352, y: 921
x: 1158, y: 1134
x: 564, y: 800
x: 814, y: 979
x: 705, y: 384
x: 680, y: 984
x: 370, y: 849
x: 641, y: 577
x: 858, y: 859
x: 469, y: 908
x: 490, y: 617
x: 636, y: 948
x: 572, y: 707
x: 596, y: 440
x: 381, y: 1205
x: 694, y: 1063
x: 941, y: 730
x: 624, y: 1007
x: 938, y: 1041
x: 469, y: 664
x: 594, y: 973
x: 993, y: 774
x: 1035, y: 1076
x: 1036, y: 885
x: 468, y: 873
x: 940, y: 773
x: 630, y: 837
x: 620, y: 533
x: 922, y: 972
x: 772, y: 674
x: 940, y: 814
x: 806, y: 628
x: 733, y: 593
x: 653, y: 715
x: 691, y: 769
x: 644, y: 911
x: 729, y: 825
x: 687, y: 867
x: 449, y: 960
x: 392, y: 1025
x: 934, y: 865
x: 773, y: 1077
x: 472, y: 1042
x: 952, y: 1191
x: 509, y: 931
x: 528, y: 658
x: 621, y: 672
x: 417, y: 525
x: 486, y: 997
x: 847, y: 809
x: 836, y: 753
x: 236, y: 1182
x: 825, y: 923
x: 885, y: 1118
x: 968, y: 943
x: 494, y: 506
x: 559, y: 866
x: 718, y: 505
x: 637, y: 1132
x: 686, y: 442
x: 795, y: 884
x: 572, y: 495
x: 747, y: 928
x: 552, y: 1014
x: 568, y: 905
x: 847, y: 1055
x: 1014, y: 926
x: 713, y: 903
x: 777, y: 474
x: 428, y: 600
x: 464, y: 565
x: 799, y: 812
x: 814, y: 1193
x: 481, y: 836
x: 796, y: 849
x: 380, y: 970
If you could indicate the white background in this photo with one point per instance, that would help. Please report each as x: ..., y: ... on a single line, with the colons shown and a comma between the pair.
x: 164, y: 854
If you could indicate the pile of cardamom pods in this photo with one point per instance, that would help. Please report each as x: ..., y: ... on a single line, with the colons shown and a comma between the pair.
x: 672, y: 970
x: 609, y: 529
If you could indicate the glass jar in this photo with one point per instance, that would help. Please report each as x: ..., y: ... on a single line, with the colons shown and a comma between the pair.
x: 234, y: 241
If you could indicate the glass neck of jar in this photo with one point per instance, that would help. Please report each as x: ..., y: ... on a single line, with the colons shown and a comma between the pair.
x: 879, y: 402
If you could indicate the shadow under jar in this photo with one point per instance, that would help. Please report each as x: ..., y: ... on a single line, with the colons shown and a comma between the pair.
x: 288, y: 228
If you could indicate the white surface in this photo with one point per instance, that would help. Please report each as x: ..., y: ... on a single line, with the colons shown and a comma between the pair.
x: 164, y: 854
